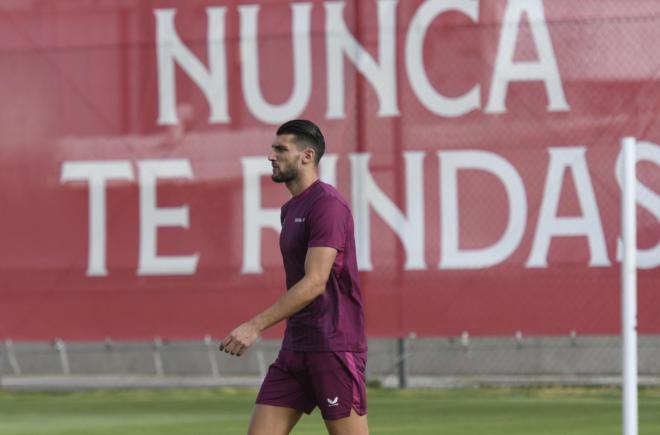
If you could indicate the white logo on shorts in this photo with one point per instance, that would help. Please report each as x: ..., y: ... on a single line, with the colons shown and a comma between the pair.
x: 333, y: 402
x: 298, y: 220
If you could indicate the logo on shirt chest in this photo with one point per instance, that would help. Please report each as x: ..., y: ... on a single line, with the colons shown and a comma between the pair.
x: 294, y: 233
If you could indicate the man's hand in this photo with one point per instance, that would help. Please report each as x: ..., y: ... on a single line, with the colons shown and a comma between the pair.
x: 318, y: 264
x: 240, y: 339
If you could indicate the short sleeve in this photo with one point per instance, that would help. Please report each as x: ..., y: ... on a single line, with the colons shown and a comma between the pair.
x: 328, y: 223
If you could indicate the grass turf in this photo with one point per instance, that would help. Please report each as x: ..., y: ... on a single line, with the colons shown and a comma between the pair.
x: 412, y: 412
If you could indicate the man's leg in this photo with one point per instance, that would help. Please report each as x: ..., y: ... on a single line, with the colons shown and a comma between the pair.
x: 354, y: 424
x: 273, y: 420
x: 340, y: 390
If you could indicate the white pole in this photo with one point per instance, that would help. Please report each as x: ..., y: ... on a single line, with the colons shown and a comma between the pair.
x: 629, y: 289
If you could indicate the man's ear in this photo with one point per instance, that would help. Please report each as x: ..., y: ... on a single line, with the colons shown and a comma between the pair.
x: 308, y: 155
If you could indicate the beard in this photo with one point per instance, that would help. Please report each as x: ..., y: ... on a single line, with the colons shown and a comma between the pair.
x: 284, y: 176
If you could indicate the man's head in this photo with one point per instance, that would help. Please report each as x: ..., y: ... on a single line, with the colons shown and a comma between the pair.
x: 299, y: 144
x: 305, y: 134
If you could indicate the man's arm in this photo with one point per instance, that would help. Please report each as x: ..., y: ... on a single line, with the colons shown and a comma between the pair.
x: 318, y: 264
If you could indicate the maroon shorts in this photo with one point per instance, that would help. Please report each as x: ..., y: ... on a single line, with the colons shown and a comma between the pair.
x: 333, y: 381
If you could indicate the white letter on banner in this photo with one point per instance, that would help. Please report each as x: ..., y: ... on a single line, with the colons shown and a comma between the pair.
x: 382, y: 76
x: 410, y: 228
x: 507, y: 71
x: 152, y: 217
x: 647, y: 198
x: 170, y: 49
x: 451, y: 255
x: 302, y: 70
x: 96, y: 173
x: 255, y: 217
x: 419, y: 81
x: 550, y: 225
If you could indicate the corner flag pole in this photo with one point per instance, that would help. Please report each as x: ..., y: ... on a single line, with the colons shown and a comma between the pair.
x: 629, y: 289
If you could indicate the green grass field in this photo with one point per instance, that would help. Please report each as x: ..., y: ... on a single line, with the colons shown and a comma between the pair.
x: 200, y: 412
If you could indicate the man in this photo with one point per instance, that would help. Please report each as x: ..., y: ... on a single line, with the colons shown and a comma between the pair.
x: 323, y: 356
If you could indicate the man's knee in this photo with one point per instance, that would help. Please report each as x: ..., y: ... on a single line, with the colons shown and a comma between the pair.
x: 273, y: 420
x: 354, y: 424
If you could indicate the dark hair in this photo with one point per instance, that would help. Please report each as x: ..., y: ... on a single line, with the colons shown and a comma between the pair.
x: 306, y: 134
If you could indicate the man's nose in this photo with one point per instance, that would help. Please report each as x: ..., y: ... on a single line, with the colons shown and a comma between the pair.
x: 271, y: 156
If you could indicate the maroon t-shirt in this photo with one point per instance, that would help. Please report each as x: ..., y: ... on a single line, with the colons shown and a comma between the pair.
x: 334, y: 321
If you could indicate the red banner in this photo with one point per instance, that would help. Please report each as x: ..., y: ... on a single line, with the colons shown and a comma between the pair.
x: 478, y: 143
